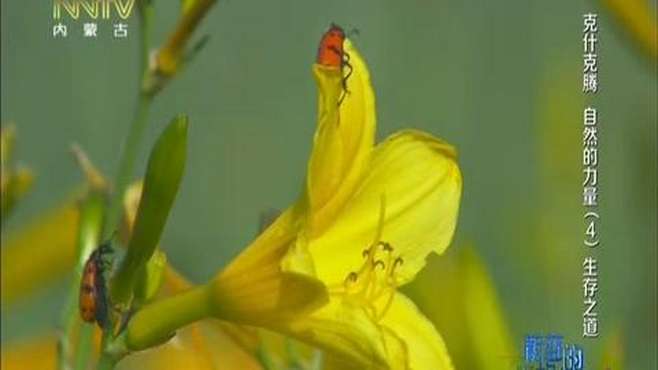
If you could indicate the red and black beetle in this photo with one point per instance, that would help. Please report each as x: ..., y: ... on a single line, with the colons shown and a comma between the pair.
x: 93, y: 291
x: 332, y: 54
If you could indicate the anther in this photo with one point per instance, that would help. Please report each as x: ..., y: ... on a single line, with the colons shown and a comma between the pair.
x: 380, y: 263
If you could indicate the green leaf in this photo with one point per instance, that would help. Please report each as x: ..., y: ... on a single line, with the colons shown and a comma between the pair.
x: 163, y: 176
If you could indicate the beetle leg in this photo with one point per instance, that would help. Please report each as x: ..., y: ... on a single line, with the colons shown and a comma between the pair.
x: 350, y: 70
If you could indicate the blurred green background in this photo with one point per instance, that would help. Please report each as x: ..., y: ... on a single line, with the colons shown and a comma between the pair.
x: 501, y: 81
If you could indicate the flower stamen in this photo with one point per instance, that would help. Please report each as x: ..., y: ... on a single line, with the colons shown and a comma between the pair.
x: 375, y: 281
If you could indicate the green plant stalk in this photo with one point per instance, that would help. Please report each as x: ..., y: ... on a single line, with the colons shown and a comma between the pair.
x: 85, y: 349
x: 157, y: 322
x: 171, y: 54
x: 106, y: 362
x: 89, y: 230
x: 114, y: 351
x: 138, y: 125
x: 129, y: 155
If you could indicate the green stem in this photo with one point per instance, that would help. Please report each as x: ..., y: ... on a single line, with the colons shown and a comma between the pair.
x: 85, y: 349
x: 129, y: 154
x: 106, y: 362
x: 91, y: 219
x: 108, y: 358
x: 127, y: 164
x: 137, y: 128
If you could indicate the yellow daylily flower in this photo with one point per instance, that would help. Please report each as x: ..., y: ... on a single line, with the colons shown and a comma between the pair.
x: 373, y: 248
x: 374, y: 214
x: 327, y: 270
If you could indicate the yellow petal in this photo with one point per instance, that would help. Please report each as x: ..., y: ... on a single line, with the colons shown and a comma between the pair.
x: 425, y: 347
x: 270, y: 245
x: 265, y: 296
x: 346, y: 332
x: 343, y: 139
x: 421, y: 182
x: 253, y: 288
x: 353, y: 338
